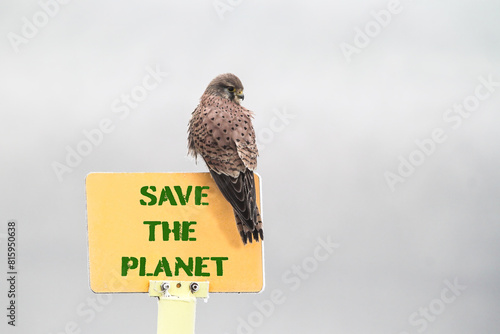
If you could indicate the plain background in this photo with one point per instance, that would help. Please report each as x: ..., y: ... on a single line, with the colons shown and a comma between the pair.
x: 351, y: 120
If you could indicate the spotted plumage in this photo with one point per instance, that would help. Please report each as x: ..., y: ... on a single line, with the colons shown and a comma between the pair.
x: 221, y: 132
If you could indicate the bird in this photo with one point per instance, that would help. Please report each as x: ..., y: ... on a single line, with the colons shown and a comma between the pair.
x: 221, y: 132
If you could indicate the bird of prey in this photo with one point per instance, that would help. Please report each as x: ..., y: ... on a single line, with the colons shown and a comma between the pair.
x: 221, y: 132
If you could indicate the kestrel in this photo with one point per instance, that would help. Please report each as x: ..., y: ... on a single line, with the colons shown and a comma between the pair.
x: 221, y: 131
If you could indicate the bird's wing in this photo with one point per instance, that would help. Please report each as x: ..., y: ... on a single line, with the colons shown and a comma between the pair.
x: 240, y: 193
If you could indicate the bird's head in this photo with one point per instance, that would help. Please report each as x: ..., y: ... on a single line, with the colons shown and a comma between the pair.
x: 227, y: 86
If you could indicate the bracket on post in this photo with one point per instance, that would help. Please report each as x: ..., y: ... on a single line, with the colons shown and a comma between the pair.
x: 177, y: 304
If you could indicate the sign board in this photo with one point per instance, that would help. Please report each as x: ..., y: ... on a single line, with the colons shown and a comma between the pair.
x: 166, y: 226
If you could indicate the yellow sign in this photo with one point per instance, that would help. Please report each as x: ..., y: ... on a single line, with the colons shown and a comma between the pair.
x: 166, y: 226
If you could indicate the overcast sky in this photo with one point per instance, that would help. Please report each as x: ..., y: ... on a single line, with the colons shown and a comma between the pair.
x: 377, y: 124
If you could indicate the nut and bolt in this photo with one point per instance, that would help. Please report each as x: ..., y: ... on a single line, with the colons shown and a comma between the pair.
x: 194, y: 287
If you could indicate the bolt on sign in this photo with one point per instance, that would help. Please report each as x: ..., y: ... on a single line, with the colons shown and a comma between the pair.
x: 166, y: 226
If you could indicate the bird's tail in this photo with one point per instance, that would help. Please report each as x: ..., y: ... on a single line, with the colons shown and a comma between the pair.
x: 248, y: 234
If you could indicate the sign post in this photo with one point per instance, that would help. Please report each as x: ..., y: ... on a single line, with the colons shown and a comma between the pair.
x: 177, y: 304
x: 170, y: 234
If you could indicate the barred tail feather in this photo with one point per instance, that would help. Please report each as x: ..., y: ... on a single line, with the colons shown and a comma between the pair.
x: 246, y: 233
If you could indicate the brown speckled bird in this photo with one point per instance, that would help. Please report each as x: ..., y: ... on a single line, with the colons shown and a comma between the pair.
x: 221, y: 131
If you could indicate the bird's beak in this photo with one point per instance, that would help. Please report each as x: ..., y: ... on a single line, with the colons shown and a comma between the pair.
x: 240, y: 95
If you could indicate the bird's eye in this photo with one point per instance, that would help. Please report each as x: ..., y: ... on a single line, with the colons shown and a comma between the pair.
x: 231, y: 89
